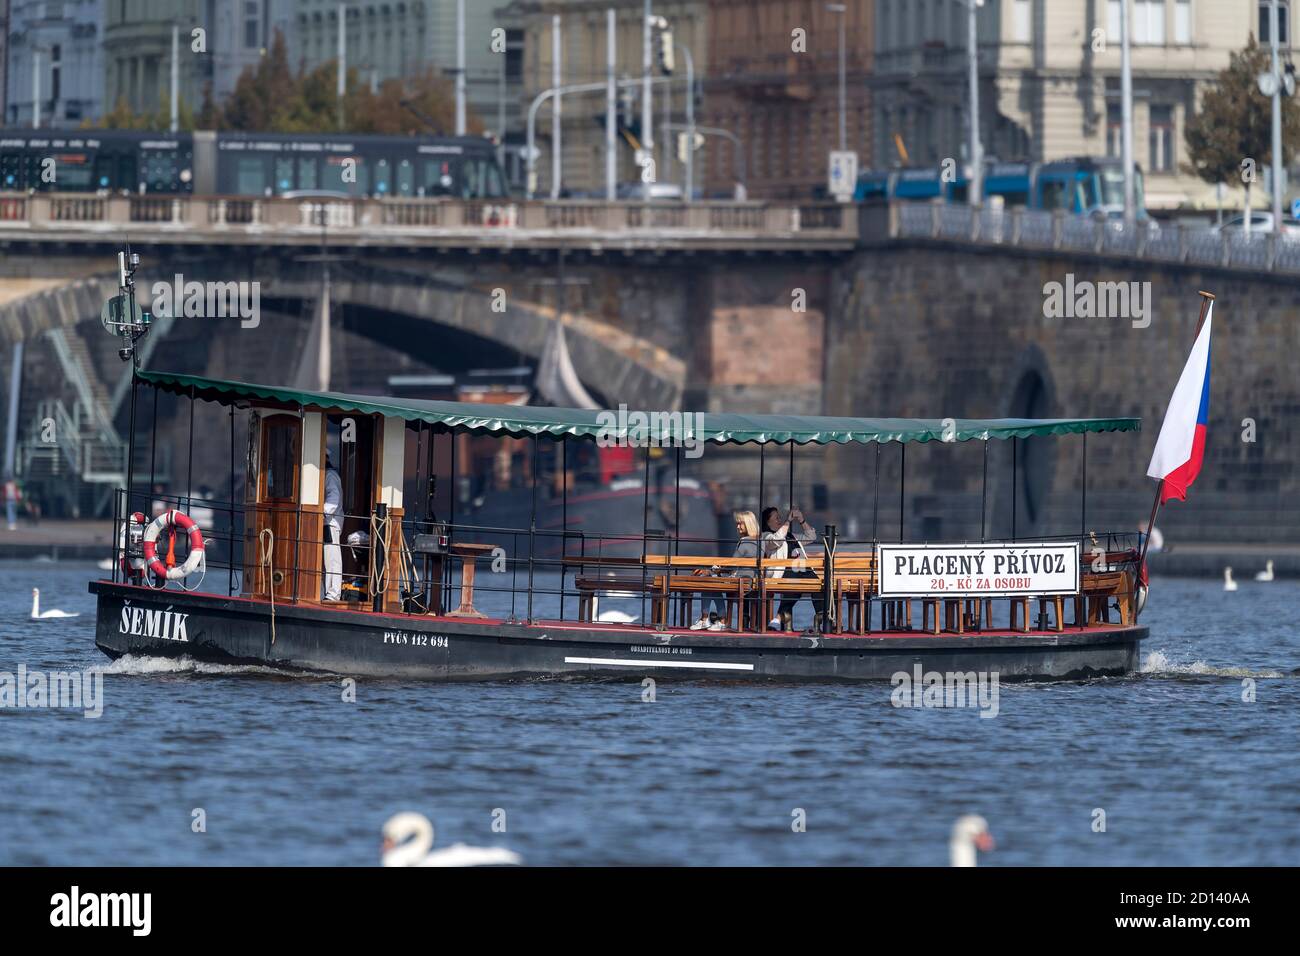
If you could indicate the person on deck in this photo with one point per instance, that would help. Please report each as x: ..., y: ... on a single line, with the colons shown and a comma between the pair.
x: 333, y: 531
x: 747, y: 530
x: 12, y: 496
x: 780, y: 540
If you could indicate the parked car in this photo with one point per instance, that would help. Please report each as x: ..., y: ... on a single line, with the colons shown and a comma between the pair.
x: 1261, y: 223
x: 651, y: 191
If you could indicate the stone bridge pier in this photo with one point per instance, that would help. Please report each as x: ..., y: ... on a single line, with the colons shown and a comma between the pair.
x: 947, y: 329
x: 896, y: 325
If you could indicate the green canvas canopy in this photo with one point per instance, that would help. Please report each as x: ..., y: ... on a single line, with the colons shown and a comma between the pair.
x: 639, y: 427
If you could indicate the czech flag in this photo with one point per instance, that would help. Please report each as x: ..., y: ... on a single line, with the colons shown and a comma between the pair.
x: 1181, y: 444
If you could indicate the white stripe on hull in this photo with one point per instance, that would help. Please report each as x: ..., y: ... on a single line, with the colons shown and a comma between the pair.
x: 630, y: 662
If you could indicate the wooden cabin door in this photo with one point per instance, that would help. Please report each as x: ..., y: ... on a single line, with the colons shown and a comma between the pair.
x: 275, y: 508
x: 355, y: 459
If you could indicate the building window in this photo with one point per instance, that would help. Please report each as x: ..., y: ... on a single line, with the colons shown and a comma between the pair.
x: 514, y: 56
x: 1283, y: 23
x: 1162, y: 139
x: 56, y: 75
x: 1148, y: 23
x: 1022, y: 21
x: 1114, y: 129
x: 251, y: 32
x: 1183, y: 22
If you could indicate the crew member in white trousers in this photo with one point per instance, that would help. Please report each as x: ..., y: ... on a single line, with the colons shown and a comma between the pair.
x: 333, y: 531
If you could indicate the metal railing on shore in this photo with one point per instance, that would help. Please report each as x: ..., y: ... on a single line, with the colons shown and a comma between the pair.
x: 1058, y: 231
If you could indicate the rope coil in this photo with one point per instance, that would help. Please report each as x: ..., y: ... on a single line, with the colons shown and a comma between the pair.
x: 378, y: 580
x: 266, y: 560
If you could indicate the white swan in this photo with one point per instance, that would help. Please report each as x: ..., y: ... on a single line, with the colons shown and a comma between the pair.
x: 616, y: 617
x: 969, y: 833
x: 408, y: 839
x: 1228, y: 583
x: 1267, y: 573
x: 39, y: 615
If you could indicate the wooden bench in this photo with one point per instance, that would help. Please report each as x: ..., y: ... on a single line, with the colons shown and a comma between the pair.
x: 957, y: 612
x: 856, y: 584
x: 854, y: 575
x: 590, y: 588
x: 1096, y: 591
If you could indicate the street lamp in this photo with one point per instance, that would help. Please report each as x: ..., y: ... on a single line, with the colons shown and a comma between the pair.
x: 341, y: 79
x: 36, y: 84
x: 668, y: 65
x: 460, y: 67
x: 174, y: 123
x: 975, y: 191
x: 1272, y: 84
x: 738, y: 152
x: 690, y: 122
x: 842, y: 10
x: 647, y: 117
x: 1126, y: 116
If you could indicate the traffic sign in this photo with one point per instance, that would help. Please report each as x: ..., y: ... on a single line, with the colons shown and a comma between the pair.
x: 842, y: 177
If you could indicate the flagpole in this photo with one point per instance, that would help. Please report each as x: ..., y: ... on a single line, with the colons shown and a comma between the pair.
x: 1155, y: 506
x: 1206, y: 299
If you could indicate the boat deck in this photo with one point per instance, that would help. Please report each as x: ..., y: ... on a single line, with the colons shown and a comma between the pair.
x: 913, y: 633
x: 540, y: 627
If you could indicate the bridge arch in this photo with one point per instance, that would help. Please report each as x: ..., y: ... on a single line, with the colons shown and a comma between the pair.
x: 608, y: 361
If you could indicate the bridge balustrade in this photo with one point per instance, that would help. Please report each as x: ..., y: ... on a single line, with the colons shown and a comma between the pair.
x: 236, y: 212
x: 711, y: 225
x: 75, y: 209
x: 13, y: 209
x: 154, y: 209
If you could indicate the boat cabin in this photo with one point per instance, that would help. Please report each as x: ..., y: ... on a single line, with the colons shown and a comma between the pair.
x: 405, y: 552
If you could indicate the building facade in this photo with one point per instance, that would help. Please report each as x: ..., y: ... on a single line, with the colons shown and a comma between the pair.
x: 774, y: 84
x: 52, y: 49
x: 4, y: 61
x: 1050, y: 80
x: 218, y: 40
x: 583, y: 59
x: 387, y: 41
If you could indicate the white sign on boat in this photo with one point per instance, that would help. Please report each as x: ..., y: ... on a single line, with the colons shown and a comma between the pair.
x: 978, y: 570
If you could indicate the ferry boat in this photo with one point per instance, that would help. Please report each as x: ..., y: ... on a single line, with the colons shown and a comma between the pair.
x: 1042, y: 609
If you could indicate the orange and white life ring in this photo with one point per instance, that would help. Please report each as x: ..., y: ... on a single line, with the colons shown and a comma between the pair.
x: 182, y: 522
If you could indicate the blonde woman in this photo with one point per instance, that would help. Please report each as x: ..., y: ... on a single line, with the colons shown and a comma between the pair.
x: 747, y: 547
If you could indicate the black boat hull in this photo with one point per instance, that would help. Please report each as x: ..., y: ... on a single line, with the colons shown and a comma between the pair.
x: 140, y: 621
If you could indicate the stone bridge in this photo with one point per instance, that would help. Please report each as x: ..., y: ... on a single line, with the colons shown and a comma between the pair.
x: 922, y: 312
x: 402, y: 308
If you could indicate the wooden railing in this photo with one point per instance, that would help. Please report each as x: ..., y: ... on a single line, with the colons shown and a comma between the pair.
x: 854, y: 589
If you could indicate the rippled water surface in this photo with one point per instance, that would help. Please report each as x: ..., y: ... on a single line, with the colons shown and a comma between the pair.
x: 287, y: 772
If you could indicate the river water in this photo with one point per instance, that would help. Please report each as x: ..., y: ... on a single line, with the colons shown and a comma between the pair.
x: 283, y: 770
